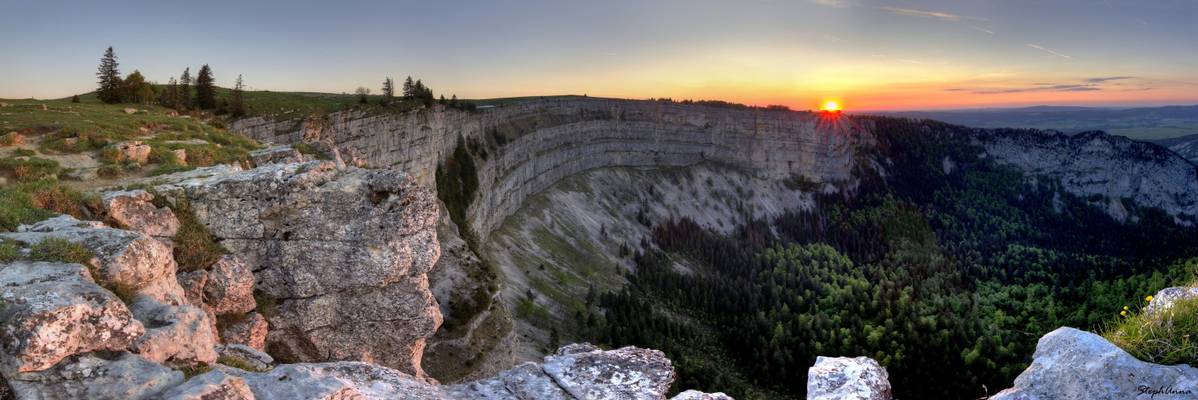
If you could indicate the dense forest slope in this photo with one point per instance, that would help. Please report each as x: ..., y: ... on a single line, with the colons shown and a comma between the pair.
x: 773, y: 237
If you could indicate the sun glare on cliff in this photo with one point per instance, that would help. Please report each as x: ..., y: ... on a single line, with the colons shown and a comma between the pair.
x: 830, y: 106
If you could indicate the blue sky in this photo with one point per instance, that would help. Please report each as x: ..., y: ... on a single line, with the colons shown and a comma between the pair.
x: 868, y: 54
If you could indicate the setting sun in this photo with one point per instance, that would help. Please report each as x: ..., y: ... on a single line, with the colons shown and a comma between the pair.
x: 830, y: 106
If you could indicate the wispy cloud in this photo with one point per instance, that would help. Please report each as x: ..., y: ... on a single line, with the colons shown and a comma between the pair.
x: 830, y: 3
x: 1108, y: 79
x: 911, y: 12
x: 980, y: 29
x: 1047, y: 50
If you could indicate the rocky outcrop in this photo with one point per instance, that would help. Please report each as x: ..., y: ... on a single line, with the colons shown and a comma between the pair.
x: 843, y: 378
x: 1073, y: 364
x: 142, y: 270
x: 49, y: 311
x: 342, y: 254
x: 134, y: 151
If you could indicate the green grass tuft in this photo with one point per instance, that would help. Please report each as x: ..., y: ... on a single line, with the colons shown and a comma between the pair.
x: 9, y: 251
x: 195, y: 247
x: 61, y: 250
x: 237, y: 363
x: 29, y: 169
x: 1165, y: 337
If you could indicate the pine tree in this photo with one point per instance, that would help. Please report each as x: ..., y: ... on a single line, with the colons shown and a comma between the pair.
x: 170, y: 96
x: 237, y: 101
x: 388, y: 91
x: 111, y: 83
x: 205, y: 89
x: 184, y: 99
x: 409, y: 89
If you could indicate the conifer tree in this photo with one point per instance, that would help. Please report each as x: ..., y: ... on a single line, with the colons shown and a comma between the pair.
x: 184, y: 99
x: 409, y: 89
x: 111, y: 83
x: 205, y: 89
x: 388, y: 91
x: 170, y: 96
x: 237, y: 101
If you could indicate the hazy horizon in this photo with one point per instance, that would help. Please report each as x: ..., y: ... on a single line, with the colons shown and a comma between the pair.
x: 870, y: 55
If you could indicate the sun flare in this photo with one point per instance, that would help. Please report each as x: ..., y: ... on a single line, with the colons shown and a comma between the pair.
x: 830, y: 106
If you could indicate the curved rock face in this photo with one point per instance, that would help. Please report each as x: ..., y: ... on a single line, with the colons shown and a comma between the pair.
x: 339, y: 256
x: 533, y: 144
x: 1095, y: 163
x: 1073, y: 364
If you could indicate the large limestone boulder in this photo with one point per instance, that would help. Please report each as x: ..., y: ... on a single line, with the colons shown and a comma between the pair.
x: 49, y: 311
x: 579, y: 371
x: 133, y: 150
x: 125, y: 259
x: 133, y: 210
x: 1073, y: 364
x: 843, y: 378
x: 343, y: 254
x: 229, y: 287
x: 249, y: 330
x: 211, y: 385
x: 179, y: 335
x: 96, y: 376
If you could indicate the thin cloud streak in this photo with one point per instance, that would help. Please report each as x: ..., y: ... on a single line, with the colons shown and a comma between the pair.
x: 1108, y: 79
x: 911, y: 12
x: 1049, y: 51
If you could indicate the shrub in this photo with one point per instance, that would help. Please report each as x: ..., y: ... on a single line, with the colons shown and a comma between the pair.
x: 110, y: 171
x: 23, y: 153
x: 61, y: 250
x: 1164, y: 337
x: 17, y: 208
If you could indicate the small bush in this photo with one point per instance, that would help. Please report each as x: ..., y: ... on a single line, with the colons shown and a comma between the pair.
x: 194, y: 370
x: 9, y: 251
x: 1165, y: 337
x: 61, y: 250
x: 110, y: 171
x: 23, y: 153
x: 17, y: 208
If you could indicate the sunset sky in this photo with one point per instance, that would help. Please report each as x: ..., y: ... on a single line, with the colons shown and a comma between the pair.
x: 870, y: 55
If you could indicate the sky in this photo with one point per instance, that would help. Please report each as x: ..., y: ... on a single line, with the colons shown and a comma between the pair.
x: 869, y: 55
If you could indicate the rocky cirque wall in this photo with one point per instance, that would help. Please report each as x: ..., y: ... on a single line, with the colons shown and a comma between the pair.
x: 532, y: 144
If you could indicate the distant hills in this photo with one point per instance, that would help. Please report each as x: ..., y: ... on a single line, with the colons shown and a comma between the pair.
x: 1144, y: 123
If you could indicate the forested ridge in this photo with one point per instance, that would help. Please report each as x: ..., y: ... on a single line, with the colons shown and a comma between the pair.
x: 946, y: 269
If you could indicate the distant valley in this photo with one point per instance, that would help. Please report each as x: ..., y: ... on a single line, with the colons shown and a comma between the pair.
x: 1147, y: 123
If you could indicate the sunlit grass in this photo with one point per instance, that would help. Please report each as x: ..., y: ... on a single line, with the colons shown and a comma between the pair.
x: 1163, y: 337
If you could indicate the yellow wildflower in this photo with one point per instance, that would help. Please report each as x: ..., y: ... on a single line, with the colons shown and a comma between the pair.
x: 1149, y: 298
x: 1125, y: 307
x: 1123, y: 313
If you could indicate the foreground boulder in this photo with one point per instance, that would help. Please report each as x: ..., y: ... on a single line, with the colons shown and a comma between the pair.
x: 96, y: 376
x: 49, y: 311
x: 843, y: 378
x: 1073, y: 364
x: 341, y: 255
x: 579, y: 371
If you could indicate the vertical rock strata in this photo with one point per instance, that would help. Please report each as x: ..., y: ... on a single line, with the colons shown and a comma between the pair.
x: 339, y: 256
